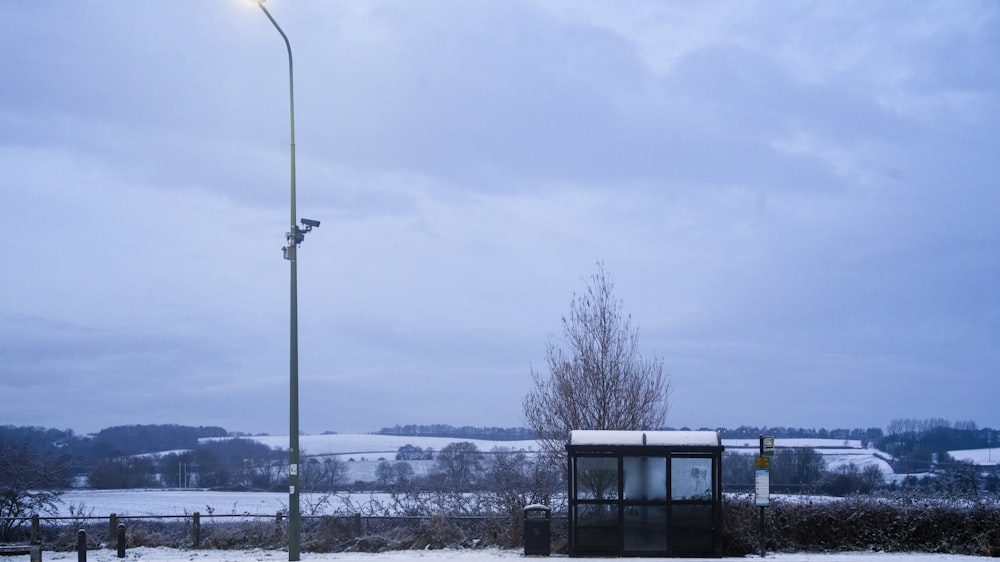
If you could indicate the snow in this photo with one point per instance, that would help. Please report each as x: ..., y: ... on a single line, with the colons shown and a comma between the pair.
x: 980, y: 457
x: 815, y: 443
x: 171, y: 502
x: 145, y: 554
x: 837, y: 453
x: 374, y: 446
x: 655, y: 438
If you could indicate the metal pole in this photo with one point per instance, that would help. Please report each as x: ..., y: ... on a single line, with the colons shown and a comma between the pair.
x: 763, y: 544
x: 294, y: 519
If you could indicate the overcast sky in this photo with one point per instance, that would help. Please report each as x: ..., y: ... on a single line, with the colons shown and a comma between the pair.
x: 797, y: 203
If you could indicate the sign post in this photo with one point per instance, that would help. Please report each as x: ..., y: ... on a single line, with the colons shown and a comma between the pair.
x: 762, y: 483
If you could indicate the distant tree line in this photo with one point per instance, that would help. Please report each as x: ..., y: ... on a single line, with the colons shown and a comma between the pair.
x: 919, y: 446
x: 139, y: 439
x: 866, y: 436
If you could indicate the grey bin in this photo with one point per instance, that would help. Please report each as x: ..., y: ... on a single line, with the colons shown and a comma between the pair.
x: 537, y: 530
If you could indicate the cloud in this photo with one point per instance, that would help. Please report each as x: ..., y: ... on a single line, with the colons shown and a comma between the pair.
x: 792, y: 197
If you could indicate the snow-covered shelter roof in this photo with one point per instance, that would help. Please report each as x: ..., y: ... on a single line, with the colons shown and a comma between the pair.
x: 653, y: 438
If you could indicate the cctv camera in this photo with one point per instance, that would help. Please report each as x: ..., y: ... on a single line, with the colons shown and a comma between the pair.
x: 309, y: 222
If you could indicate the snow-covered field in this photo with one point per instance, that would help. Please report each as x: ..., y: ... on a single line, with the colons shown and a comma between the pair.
x: 365, y: 448
x: 100, y: 503
x: 374, y: 447
x: 485, y: 555
x: 836, y: 452
x: 363, y: 452
x: 981, y: 457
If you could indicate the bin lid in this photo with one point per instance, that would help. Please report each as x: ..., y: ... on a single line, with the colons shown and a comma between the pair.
x: 537, y: 507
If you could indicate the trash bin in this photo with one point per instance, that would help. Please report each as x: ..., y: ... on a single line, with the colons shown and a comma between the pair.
x: 537, y: 530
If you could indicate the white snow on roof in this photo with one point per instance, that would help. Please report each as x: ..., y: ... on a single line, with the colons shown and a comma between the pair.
x: 660, y: 438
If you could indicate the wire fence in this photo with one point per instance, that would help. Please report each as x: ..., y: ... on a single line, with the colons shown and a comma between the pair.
x: 319, y: 532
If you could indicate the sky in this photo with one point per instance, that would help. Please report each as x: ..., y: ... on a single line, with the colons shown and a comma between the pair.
x: 796, y: 203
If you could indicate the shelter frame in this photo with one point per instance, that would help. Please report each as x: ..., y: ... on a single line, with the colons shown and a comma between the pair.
x: 645, y: 493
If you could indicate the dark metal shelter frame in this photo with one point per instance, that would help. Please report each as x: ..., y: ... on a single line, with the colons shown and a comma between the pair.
x: 645, y: 493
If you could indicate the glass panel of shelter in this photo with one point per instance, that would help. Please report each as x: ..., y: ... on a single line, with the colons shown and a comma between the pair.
x: 596, y: 478
x: 644, y: 482
x: 691, y: 478
x: 596, y: 486
x: 639, y: 502
x: 693, y: 495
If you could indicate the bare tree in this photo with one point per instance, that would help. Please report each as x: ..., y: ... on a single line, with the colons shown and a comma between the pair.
x: 27, y: 485
x: 323, y: 475
x: 458, y: 465
x: 602, y: 380
x: 514, y: 479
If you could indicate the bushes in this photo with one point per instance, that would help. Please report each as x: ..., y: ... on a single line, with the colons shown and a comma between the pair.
x: 864, y: 524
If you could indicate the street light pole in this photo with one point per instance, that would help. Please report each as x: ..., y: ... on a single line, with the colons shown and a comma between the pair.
x: 294, y: 236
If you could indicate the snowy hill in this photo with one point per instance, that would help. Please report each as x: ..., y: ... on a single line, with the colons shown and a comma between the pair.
x: 980, y: 457
x: 363, y: 452
x: 373, y: 447
x: 836, y: 452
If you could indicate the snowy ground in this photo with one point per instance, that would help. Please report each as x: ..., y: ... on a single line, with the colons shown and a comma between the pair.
x: 486, y: 555
x: 101, y: 503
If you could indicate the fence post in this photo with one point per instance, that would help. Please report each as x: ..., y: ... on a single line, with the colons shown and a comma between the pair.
x: 112, y: 527
x: 357, y: 525
x: 277, y: 519
x: 121, y: 540
x: 35, y: 529
x: 81, y: 546
x: 196, y: 529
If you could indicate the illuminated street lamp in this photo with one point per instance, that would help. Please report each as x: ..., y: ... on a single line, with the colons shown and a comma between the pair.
x: 295, y: 235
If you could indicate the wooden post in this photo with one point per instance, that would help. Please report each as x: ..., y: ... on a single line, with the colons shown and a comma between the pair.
x: 121, y: 540
x: 81, y: 546
x: 35, y: 529
x: 112, y: 527
x: 196, y: 529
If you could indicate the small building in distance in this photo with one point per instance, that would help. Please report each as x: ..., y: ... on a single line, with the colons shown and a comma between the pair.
x: 645, y: 493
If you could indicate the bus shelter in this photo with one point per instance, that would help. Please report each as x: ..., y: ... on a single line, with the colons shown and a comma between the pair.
x: 645, y: 493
